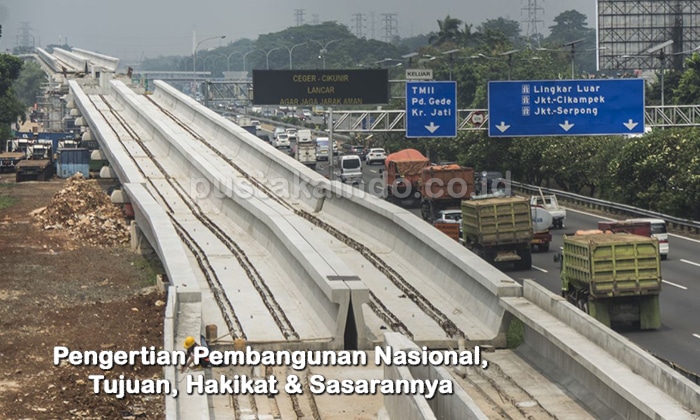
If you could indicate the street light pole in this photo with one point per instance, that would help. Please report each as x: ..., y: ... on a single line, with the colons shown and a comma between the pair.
x: 244, y: 57
x: 324, y: 50
x: 267, y: 57
x: 228, y: 59
x: 572, y: 44
x: 290, y: 52
x: 194, y: 60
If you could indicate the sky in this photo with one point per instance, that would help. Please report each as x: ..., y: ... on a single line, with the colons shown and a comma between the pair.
x: 132, y: 30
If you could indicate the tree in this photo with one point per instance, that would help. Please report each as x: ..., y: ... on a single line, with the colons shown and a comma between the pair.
x: 688, y: 90
x: 448, y: 32
x: 659, y: 172
x: 569, y: 26
x: 28, y: 84
x: 11, y: 108
x: 510, y: 29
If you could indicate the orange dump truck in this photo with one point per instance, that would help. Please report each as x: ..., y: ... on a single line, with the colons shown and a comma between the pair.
x: 402, y: 173
x: 443, y: 187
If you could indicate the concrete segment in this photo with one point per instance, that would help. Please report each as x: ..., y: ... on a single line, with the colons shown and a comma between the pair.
x: 331, y: 298
x: 189, y: 323
x: 120, y: 162
x: 97, y: 60
x: 156, y: 226
x: 424, y: 247
x: 75, y: 62
x: 639, y: 361
x: 457, y: 273
x: 619, y: 387
x: 456, y: 406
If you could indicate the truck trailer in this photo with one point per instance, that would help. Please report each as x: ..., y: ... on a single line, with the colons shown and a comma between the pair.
x: 402, y: 174
x: 614, y: 277
x: 305, y: 149
x: 443, y: 187
x: 499, y: 229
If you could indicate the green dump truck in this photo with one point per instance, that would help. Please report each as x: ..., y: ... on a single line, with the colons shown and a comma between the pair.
x: 498, y: 229
x: 616, y: 278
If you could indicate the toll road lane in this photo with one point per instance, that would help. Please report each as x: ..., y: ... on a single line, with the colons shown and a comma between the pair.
x: 680, y: 293
x: 677, y: 339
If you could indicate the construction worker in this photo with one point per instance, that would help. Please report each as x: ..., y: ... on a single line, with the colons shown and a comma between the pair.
x: 190, y: 345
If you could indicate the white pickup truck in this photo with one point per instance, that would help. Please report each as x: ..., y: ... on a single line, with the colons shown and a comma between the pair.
x: 549, y: 203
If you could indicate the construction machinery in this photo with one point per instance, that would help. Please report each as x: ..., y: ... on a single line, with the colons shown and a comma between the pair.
x: 38, y: 165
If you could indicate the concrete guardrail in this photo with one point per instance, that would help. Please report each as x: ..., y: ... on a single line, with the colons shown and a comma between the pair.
x: 622, y: 375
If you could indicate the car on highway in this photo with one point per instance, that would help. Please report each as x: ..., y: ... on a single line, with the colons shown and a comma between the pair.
x: 375, y: 155
x: 658, y: 231
x: 450, y: 216
x: 291, y: 133
x: 281, y: 140
x: 351, y: 169
x: 352, y: 149
x: 492, y: 180
x: 258, y: 126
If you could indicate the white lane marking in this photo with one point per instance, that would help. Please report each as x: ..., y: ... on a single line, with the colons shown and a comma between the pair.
x: 697, y: 336
x: 690, y: 262
x: 540, y: 269
x: 674, y: 284
x: 684, y: 237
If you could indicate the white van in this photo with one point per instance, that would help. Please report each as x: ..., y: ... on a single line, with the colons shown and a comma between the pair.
x: 351, y: 169
x: 658, y: 231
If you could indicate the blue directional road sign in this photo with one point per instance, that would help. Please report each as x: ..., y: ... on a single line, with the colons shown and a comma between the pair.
x: 431, y: 109
x: 566, y: 107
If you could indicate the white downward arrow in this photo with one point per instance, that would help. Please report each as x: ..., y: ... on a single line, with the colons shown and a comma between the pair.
x: 630, y: 125
x: 503, y: 127
x: 566, y: 126
x: 432, y: 127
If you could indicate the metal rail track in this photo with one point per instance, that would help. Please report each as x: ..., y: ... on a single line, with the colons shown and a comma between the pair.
x: 448, y: 326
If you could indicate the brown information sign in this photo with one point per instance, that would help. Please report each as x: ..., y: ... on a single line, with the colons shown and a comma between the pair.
x: 320, y: 87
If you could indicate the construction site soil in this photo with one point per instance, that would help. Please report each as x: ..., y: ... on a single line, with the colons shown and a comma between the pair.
x: 59, y: 288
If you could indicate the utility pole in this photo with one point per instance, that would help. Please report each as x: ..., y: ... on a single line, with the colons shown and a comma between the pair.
x: 389, y: 27
x: 359, y: 24
x: 299, y: 16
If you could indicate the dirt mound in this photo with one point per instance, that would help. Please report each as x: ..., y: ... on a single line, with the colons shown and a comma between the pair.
x: 84, y: 210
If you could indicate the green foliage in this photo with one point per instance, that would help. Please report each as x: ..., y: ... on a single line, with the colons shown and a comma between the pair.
x: 449, y: 32
x: 28, y: 84
x: 10, y: 67
x: 6, y: 202
x: 660, y: 171
x: 687, y: 91
x: 515, y: 334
